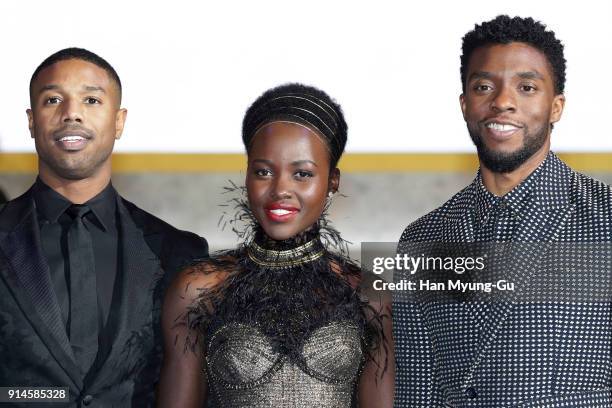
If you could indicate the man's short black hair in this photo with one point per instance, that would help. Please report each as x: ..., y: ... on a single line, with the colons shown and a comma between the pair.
x: 80, y: 54
x: 504, y: 30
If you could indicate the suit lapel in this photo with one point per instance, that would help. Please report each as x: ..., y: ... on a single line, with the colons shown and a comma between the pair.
x: 141, y: 270
x: 457, y: 228
x: 27, y: 274
x: 459, y: 225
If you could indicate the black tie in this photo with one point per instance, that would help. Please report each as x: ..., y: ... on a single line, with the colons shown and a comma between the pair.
x: 83, y: 294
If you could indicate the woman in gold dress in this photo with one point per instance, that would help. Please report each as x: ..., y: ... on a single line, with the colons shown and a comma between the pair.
x: 284, y: 319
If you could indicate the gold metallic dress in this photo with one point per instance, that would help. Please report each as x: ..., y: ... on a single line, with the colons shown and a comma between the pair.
x: 243, y: 371
x: 284, y: 330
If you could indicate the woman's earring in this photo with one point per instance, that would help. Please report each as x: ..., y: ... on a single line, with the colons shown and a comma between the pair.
x: 330, y: 194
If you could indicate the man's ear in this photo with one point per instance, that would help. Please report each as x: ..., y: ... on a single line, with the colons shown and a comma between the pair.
x: 120, y: 122
x: 30, y: 122
x: 558, y: 104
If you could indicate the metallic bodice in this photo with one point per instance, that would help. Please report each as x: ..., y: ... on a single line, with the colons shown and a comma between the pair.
x: 243, y: 370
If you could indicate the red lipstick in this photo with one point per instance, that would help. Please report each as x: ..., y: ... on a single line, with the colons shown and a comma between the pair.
x: 280, y: 212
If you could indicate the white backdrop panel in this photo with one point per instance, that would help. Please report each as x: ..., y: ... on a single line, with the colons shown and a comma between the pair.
x: 190, y: 69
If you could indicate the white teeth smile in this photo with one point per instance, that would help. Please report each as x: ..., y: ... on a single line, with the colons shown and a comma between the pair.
x: 71, y: 138
x: 501, y: 127
x: 280, y: 211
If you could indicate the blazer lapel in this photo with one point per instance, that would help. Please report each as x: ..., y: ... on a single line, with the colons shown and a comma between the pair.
x: 27, y: 274
x: 460, y: 226
x: 139, y: 276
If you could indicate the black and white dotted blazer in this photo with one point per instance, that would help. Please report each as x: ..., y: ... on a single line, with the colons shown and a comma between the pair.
x: 550, y: 354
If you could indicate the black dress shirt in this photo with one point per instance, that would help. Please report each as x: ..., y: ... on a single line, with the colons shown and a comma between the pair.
x: 103, y: 224
x: 496, y: 217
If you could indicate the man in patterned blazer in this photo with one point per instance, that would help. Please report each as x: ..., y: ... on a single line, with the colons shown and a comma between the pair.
x: 553, y: 351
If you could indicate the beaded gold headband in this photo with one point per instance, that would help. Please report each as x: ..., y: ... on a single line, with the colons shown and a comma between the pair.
x: 304, y: 109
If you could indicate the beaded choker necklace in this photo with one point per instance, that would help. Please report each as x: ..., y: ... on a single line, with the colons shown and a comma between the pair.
x: 284, y: 254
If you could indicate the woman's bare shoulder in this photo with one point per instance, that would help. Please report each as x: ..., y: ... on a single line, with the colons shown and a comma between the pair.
x: 207, y: 274
x: 378, y: 299
x: 346, y: 269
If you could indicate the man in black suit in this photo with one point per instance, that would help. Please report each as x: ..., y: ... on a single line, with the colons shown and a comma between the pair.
x: 82, y: 270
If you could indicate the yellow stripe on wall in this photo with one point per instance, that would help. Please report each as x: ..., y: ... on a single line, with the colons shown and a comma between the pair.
x: 351, y: 162
x: 18, y: 163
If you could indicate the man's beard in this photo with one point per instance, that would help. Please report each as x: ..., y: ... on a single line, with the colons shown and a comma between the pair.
x: 505, y: 162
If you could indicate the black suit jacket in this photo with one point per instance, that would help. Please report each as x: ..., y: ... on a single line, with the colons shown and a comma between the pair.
x: 34, y: 347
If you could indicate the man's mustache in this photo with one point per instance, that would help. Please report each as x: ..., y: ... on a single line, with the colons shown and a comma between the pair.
x: 72, y: 130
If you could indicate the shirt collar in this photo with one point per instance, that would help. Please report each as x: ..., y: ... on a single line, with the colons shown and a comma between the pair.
x: 51, y: 204
x: 517, y: 198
